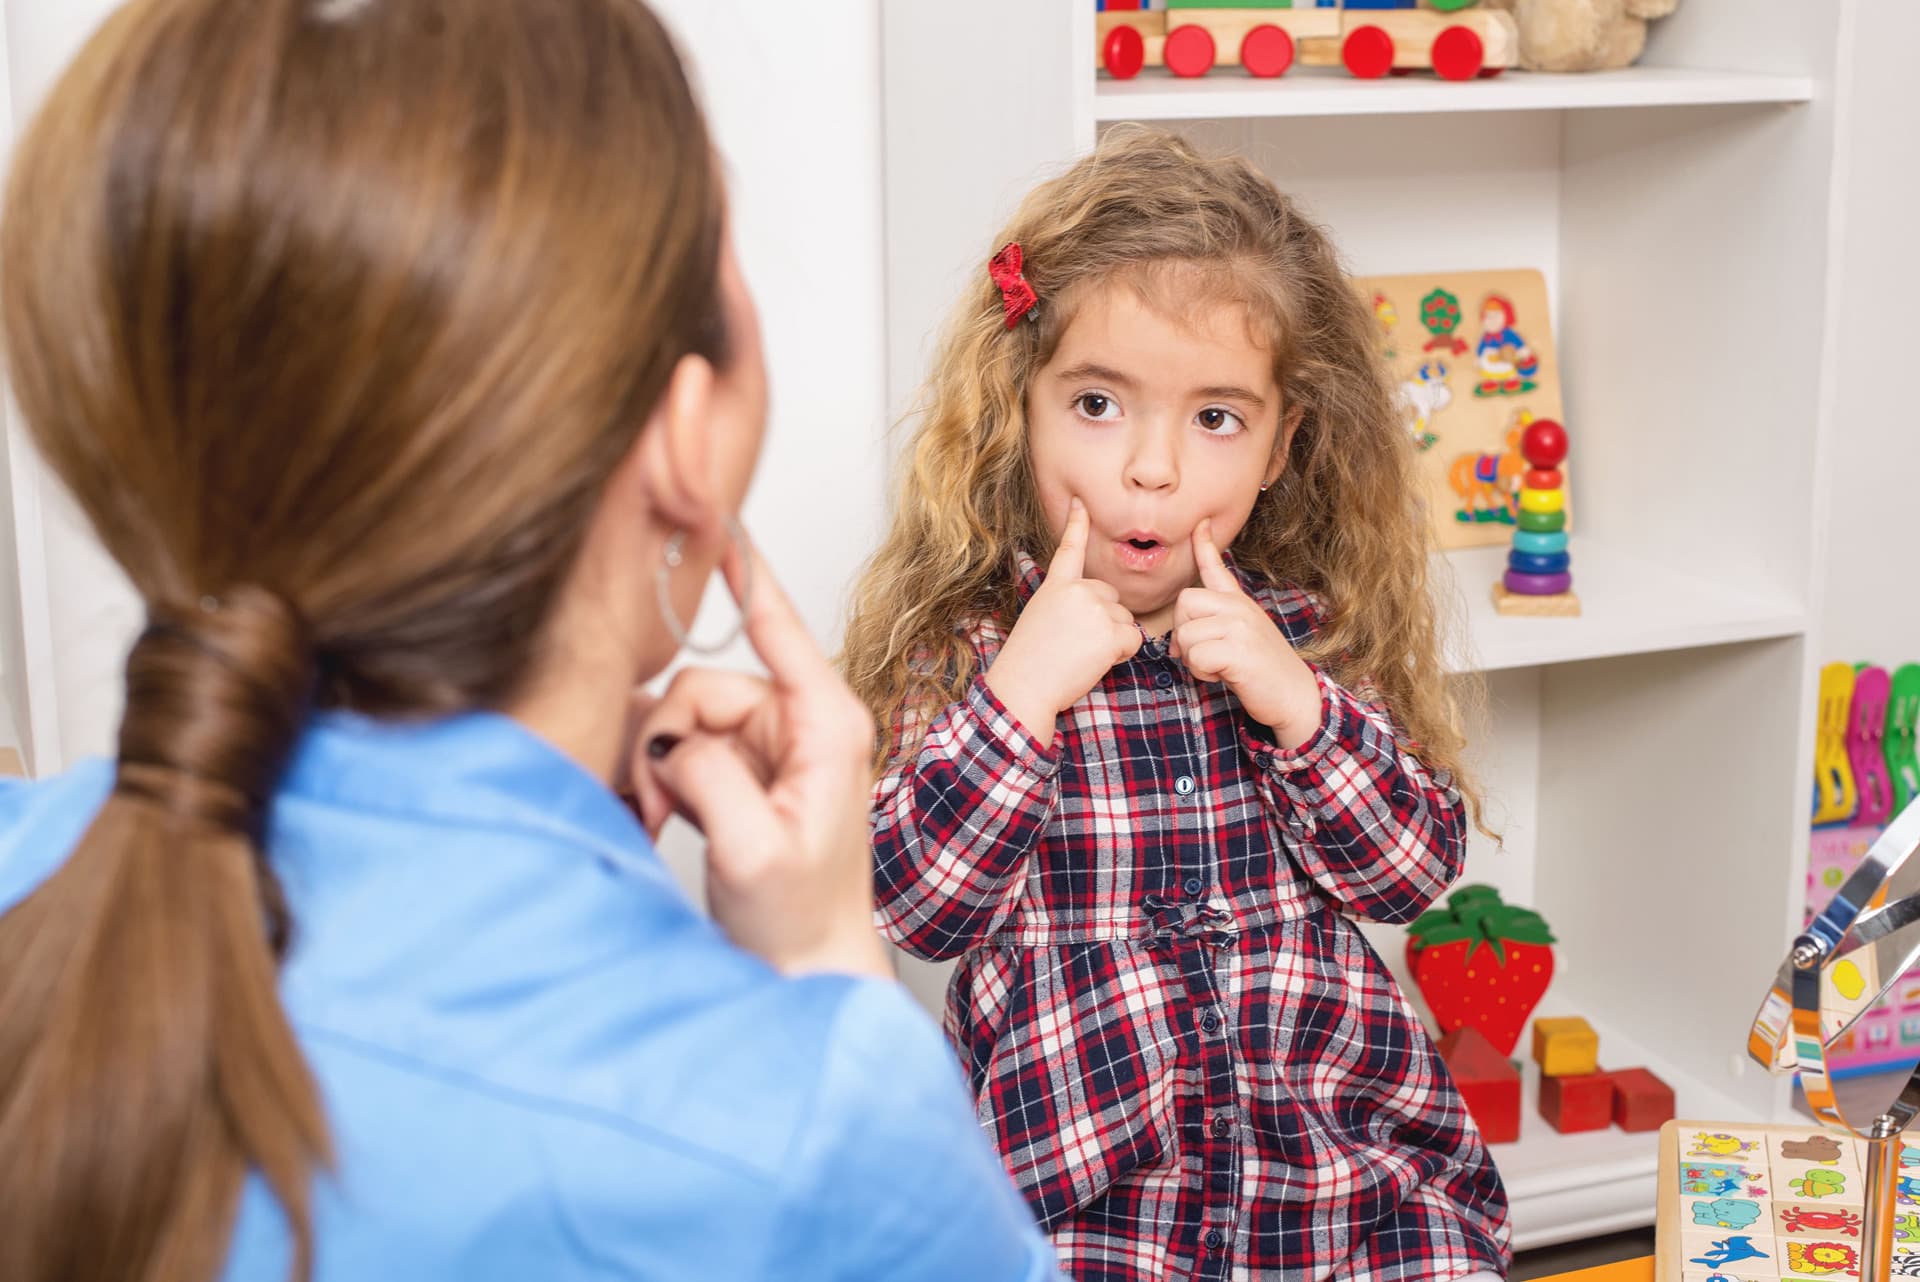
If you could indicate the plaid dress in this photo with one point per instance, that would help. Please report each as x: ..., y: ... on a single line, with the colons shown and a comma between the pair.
x: 1192, y: 1063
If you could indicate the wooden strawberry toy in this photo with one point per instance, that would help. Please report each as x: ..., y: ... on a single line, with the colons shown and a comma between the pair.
x: 1481, y: 963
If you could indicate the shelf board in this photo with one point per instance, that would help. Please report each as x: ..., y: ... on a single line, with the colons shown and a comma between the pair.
x: 1312, y: 91
x: 1628, y: 606
x: 1564, y: 1187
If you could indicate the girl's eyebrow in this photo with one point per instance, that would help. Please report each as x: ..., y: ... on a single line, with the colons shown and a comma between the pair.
x: 1231, y: 393
x: 1089, y: 371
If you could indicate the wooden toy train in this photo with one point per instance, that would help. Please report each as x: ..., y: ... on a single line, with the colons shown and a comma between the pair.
x: 1371, y: 38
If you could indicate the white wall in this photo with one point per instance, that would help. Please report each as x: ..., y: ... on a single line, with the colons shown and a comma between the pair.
x: 1872, y: 605
x: 793, y: 92
x: 69, y: 652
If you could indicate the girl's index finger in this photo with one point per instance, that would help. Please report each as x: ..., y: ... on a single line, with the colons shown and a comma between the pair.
x: 1070, y: 558
x: 1206, y: 556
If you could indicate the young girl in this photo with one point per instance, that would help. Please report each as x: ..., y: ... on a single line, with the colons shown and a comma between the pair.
x: 1138, y: 788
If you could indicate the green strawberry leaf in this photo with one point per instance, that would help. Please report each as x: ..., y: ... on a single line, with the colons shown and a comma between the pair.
x: 1448, y: 933
x: 1468, y: 896
x: 1477, y: 914
x: 1520, y: 925
x: 1425, y: 922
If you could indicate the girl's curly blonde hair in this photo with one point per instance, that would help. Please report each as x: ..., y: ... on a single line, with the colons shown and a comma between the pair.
x: 1344, y: 521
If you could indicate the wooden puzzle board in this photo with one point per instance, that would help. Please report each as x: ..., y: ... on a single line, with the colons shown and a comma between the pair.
x: 1473, y: 358
x: 1741, y: 1202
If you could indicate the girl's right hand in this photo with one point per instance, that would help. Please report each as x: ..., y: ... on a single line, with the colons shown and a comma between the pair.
x: 1069, y: 636
x: 776, y: 771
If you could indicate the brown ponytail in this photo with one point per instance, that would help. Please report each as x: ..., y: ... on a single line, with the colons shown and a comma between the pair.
x: 144, y: 1058
x: 334, y: 318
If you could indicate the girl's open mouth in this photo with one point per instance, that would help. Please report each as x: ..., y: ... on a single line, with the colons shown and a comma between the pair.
x: 1138, y: 551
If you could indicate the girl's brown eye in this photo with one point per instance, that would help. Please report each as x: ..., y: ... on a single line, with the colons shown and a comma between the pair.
x: 1216, y: 421
x: 1094, y: 406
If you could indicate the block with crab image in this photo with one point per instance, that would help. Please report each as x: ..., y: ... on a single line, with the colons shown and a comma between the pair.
x: 1800, y: 1219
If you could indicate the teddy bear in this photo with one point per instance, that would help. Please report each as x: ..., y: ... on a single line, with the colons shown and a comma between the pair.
x: 1582, y: 35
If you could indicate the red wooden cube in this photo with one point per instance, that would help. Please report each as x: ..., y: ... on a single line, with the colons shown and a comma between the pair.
x: 1641, y: 1101
x: 1488, y: 1082
x: 1581, y: 1103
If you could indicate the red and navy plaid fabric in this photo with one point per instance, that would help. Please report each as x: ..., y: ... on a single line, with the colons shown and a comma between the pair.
x: 1192, y: 1063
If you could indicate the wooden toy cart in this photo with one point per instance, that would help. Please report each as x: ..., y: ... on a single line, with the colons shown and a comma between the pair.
x: 1267, y: 37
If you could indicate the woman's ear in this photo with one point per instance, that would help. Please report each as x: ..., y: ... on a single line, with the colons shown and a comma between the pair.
x: 1283, y: 444
x: 672, y: 461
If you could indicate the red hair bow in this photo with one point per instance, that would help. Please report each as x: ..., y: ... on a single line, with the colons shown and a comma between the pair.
x: 1015, y: 292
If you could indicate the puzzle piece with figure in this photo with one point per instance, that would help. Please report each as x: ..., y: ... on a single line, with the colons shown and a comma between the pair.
x: 1743, y: 1202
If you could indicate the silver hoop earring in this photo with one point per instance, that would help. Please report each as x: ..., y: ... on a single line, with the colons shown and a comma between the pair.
x: 673, y: 556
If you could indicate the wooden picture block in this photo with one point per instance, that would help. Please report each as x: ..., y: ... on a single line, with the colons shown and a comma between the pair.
x: 1641, y: 1101
x: 1488, y: 1082
x: 1579, y: 1103
x: 1566, y: 1047
x: 1564, y: 605
x: 10, y: 764
x: 1454, y: 341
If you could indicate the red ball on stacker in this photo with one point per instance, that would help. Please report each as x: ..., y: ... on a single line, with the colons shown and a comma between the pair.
x: 1544, y: 443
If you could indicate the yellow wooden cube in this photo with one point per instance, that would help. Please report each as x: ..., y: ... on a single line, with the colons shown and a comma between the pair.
x: 1565, y: 1047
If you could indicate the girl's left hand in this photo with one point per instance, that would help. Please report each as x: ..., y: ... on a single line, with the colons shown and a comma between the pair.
x: 1222, y: 634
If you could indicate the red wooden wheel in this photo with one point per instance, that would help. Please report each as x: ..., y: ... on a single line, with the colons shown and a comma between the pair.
x: 1543, y: 478
x: 1368, y: 52
x: 1266, y: 52
x: 1189, y: 51
x: 1459, y: 54
x: 1124, y: 53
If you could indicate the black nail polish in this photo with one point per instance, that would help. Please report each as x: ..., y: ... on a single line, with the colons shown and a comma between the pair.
x: 662, y: 744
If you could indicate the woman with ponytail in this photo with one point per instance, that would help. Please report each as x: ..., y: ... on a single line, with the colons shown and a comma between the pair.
x: 395, y: 350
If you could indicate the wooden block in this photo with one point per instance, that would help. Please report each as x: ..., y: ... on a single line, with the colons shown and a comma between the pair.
x: 1583, y: 1102
x: 1565, y: 1047
x: 10, y: 764
x: 1641, y: 1101
x: 1488, y: 1082
x: 1565, y: 605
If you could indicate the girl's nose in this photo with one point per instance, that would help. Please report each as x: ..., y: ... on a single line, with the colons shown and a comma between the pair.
x: 1151, y: 464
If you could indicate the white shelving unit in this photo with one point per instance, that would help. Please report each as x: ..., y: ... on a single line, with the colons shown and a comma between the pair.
x: 1614, y: 589
x: 1646, y: 760
x: 1315, y: 91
